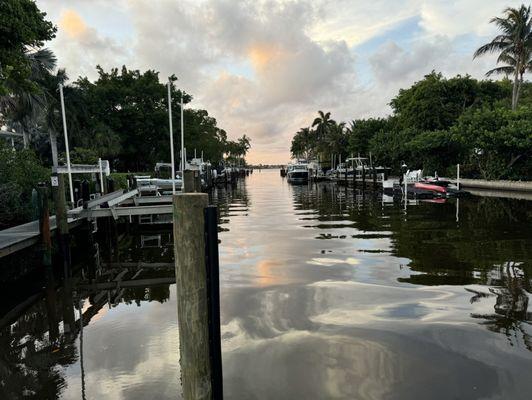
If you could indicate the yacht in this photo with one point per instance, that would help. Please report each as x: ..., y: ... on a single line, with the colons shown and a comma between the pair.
x: 298, y: 172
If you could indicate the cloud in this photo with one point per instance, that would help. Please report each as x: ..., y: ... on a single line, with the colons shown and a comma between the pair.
x: 265, y: 67
x: 72, y: 24
x: 80, y: 47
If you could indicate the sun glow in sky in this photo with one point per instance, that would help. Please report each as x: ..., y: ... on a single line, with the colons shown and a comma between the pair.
x: 263, y: 68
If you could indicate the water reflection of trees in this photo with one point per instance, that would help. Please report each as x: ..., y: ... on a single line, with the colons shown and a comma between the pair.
x: 489, y: 244
x: 511, y: 316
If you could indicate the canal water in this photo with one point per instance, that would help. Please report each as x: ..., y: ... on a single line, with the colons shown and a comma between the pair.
x: 325, y: 294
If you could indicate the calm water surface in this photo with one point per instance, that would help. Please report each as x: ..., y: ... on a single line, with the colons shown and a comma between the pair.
x: 324, y: 294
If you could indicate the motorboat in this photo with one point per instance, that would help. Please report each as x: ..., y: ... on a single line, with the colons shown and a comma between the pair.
x: 297, y: 172
x: 422, y: 187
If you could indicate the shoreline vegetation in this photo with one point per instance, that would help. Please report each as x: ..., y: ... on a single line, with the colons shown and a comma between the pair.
x: 121, y: 116
x: 483, y: 125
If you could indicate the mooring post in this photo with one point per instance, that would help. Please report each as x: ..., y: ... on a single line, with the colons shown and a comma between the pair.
x: 213, y: 291
x: 61, y: 219
x: 192, y: 303
x: 44, y: 225
x: 188, y: 181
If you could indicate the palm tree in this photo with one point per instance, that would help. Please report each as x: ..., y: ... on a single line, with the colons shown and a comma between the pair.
x: 23, y: 108
x: 303, y: 144
x: 336, y: 139
x: 514, y: 46
x: 323, y: 123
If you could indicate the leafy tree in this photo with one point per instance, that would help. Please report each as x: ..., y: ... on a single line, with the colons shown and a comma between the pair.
x: 389, y: 148
x: 303, y: 144
x: 23, y: 29
x: 20, y: 171
x: 514, y: 45
x: 498, y: 141
x: 435, y: 151
x: 361, y: 131
x: 435, y: 103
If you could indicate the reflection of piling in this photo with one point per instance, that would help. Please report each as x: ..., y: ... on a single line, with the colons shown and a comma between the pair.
x: 192, y: 304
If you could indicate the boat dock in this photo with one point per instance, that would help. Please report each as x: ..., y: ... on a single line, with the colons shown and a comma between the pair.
x: 116, y: 204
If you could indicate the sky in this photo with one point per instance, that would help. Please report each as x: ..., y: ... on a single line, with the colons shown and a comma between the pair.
x: 265, y: 67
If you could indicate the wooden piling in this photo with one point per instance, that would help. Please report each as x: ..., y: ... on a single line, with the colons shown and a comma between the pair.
x: 192, y: 305
x: 63, y: 237
x: 188, y: 181
x: 44, y: 225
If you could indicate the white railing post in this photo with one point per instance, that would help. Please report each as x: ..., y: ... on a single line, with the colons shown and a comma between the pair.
x: 66, y: 143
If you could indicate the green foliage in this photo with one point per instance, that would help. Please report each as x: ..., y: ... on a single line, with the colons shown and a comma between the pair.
x: 435, y: 103
x: 360, y: 133
x: 123, y: 117
x: 80, y: 155
x: 303, y: 144
x: 498, y: 142
x: 438, y: 123
x: 389, y: 148
x: 22, y: 26
x: 20, y: 171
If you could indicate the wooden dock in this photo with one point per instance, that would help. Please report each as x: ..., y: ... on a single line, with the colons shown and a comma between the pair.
x: 22, y: 236
x: 116, y: 204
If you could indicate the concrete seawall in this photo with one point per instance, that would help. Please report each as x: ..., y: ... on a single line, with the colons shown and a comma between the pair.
x: 507, y: 186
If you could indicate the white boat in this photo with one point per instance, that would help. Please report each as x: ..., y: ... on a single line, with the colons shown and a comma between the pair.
x: 298, y: 172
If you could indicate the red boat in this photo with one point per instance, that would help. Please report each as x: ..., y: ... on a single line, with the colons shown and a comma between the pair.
x: 433, y: 188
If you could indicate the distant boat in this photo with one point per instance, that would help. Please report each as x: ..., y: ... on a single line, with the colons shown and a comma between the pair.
x: 297, y: 172
x: 418, y: 186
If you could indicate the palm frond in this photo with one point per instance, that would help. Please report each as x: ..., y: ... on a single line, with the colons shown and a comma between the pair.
x: 507, y: 70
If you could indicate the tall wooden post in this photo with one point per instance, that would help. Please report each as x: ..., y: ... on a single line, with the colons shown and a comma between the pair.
x: 192, y: 304
x: 63, y: 237
x: 44, y: 225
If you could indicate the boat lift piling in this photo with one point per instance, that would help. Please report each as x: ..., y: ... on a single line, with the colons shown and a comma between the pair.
x: 44, y: 224
x: 63, y: 236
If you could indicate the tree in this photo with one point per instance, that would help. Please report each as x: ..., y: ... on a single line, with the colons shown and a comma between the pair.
x: 23, y: 29
x: 514, y: 46
x: 20, y: 171
x: 303, y: 144
x: 361, y: 131
x: 322, y: 124
x: 498, y: 142
x: 435, y: 103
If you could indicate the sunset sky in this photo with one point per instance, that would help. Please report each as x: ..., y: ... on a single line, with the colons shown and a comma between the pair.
x: 264, y: 68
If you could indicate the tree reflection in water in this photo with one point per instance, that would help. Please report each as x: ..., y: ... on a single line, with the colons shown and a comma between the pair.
x: 489, y: 244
